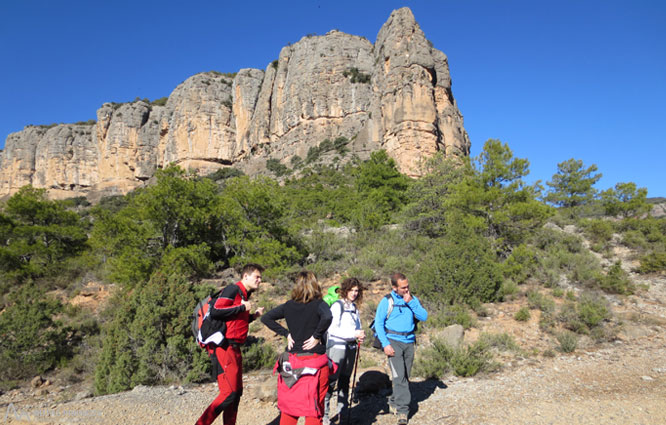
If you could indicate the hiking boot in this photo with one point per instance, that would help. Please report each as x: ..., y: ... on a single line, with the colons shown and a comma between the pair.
x: 402, y: 419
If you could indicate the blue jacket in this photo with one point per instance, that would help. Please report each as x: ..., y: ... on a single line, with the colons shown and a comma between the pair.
x: 401, y: 319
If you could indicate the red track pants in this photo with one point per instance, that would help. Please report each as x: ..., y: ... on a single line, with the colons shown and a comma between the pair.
x: 228, y: 367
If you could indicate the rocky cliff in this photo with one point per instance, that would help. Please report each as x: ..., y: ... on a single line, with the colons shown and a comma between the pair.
x: 393, y: 95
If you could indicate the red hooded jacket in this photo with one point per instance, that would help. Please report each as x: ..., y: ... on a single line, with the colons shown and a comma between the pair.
x: 228, y: 307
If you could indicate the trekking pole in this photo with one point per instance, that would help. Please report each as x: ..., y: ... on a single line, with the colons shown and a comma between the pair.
x: 351, y: 393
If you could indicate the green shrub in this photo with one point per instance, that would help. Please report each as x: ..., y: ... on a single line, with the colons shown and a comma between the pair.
x: 439, y: 359
x: 522, y: 315
x: 540, y: 301
x: 149, y: 341
x: 276, y: 167
x: 597, y: 230
x: 634, y: 239
x: 549, y: 353
x: 462, y: 269
x: 508, y: 290
x: 561, y: 253
x: 257, y: 354
x: 296, y: 161
x: 160, y: 102
x: 357, y: 76
x: 570, y: 318
x: 225, y: 173
x: 547, y: 321
x: 558, y: 292
x: 568, y: 341
x: 616, y: 280
x: 32, y: 339
x: 443, y: 316
x: 586, y: 314
x: 501, y: 342
x: 592, y: 310
x: 652, y: 263
x: 520, y: 264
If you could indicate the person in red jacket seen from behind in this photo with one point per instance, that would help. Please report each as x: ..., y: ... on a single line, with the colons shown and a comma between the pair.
x: 307, y: 317
x: 233, y: 307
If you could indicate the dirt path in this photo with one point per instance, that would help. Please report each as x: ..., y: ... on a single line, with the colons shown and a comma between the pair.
x: 620, y: 383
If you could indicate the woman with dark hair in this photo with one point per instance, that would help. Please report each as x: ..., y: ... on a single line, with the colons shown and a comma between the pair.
x: 344, y: 335
x: 304, y: 367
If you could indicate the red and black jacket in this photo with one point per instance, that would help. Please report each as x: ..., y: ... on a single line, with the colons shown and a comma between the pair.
x: 228, y: 308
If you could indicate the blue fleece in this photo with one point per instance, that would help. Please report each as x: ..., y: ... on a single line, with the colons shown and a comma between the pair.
x: 401, y: 319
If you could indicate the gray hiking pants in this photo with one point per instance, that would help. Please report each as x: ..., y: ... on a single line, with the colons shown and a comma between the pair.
x: 401, y: 367
x: 344, y: 356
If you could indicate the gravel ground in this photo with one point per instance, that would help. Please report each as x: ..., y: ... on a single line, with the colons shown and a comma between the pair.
x: 621, y: 383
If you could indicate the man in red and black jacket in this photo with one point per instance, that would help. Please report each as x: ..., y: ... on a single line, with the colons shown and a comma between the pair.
x: 232, y: 307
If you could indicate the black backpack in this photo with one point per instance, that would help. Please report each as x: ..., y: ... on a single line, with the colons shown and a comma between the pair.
x: 206, y: 330
x: 376, y: 343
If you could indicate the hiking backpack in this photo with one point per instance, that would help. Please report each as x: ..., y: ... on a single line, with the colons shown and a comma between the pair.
x: 206, y: 330
x: 376, y: 343
x: 332, y: 295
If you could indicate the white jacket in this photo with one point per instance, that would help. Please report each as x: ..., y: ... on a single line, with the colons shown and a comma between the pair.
x: 346, y: 321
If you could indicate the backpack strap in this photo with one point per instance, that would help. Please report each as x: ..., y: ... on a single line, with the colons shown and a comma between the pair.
x: 342, y: 310
x: 389, y: 311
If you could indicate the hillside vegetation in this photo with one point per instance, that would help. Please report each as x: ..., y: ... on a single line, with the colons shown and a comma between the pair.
x: 468, y: 233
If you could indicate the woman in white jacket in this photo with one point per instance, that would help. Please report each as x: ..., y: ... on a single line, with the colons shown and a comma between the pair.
x: 344, y: 336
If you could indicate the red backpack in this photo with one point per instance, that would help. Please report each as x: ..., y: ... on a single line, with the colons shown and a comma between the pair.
x: 206, y: 330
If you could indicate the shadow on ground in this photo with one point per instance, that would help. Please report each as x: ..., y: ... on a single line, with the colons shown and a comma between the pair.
x: 370, y: 406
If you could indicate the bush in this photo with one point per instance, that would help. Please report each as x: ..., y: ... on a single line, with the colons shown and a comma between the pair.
x: 652, y: 263
x: 441, y: 317
x: 570, y: 318
x: 357, y: 76
x: 564, y: 253
x: 149, y: 341
x: 508, y: 290
x: 616, y: 281
x: 634, y: 239
x: 600, y: 232
x: 32, y: 340
x: 501, y: 342
x: 462, y: 269
x: 520, y: 264
x: 225, y: 173
x: 585, y: 315
x: 539, y: 301
x: 160, y: 102
x: 522, y: 315
x: 257, y: 354
x: 568, y: 341
x: 276, y: 167
x: 592, y: 310
x: 439, y: 359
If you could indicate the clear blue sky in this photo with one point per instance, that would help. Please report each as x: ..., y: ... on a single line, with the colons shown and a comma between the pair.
x: 583, y: 79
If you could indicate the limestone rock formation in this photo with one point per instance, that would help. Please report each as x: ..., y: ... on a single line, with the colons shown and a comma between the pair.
x: 393, y: 95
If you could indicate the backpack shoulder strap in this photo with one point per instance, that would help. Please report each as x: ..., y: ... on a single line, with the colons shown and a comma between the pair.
x: 390, y: 304
x: 342, y: 310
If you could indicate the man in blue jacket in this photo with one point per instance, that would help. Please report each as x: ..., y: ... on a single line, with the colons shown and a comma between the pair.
x: 395, y: 325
